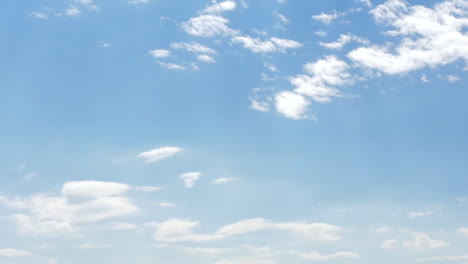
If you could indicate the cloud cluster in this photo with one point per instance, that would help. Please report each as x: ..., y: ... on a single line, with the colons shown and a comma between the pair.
x: 79, y: 203
x: 178, y: 230
x: 429, y: 37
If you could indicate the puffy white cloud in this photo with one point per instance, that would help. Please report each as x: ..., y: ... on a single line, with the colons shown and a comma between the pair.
x: 342, y: 41
x: 421, y: 241
x: 10, y: 252
x: 79, y: 202
x: 224, y: 180
x: 326, y: 18
x: 292, y: 105
x: 266, y: 46
x: 317, y: 84
x: 390, y: 244
x: 430, y: 37
x: 190, y: 178
x: 176, y: 230
x: 159, y: 53
x: 208, y: 26
x: 221, y: 7
x: 158, y: 154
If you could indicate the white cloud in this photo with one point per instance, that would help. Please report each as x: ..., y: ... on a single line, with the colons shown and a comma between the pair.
x: 224, y: 180
x: 421, y: 241
x: 318, y: 84
x: 315, y: 256
x: 104, y: 44
x: 219, y: 8
x: 158, y: 154
x: 260, y: 106
x: 266, y: 46
x: 452, y: 78
x: 136, y: 2
x: 342, y: 41
x: 424, y: 78
x: 72, y: 11
x: 283, y: 21
x: 190, y: 178
x: 193, y: 47
x: 419, y: 214
x: 172, y: 66
x: 39, y: 15
x: 206, y: 58
x: 445, y: 258
x: 463, y: 232
x: 79, y: 203
x: 292, y: 105
x: 10, y: 252
x: 366, y: 2
x: 390, y: 244
x: 320, y: 33
x: 177, y: 230
x: 118, y: 226
x: 166, y: 204
x: 322, y: 74
x: 148, y: 188
x: 159, y: 53
x: 208, y: 26
x: 93, y: 189
x: 270, y: 66
x: 430, y: 37
x: 326, y: 18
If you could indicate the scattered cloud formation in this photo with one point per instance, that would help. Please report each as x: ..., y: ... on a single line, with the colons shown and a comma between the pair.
x: 326, y: 18
x: 422, y: 241
x: 80, y: 202
x: 430, y: 37
x: 179, y: 230
x: 266, y: 46
x: 342, y: 41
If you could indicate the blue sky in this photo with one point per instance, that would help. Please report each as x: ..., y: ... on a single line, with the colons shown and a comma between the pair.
x: 233, y: 132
